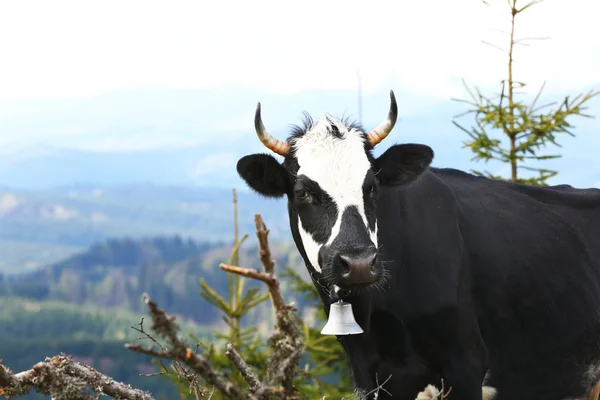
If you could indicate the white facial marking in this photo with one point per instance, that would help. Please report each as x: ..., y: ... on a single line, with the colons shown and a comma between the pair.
x: 373, y: 234
x: 311, y: 247
x: 339, y: 166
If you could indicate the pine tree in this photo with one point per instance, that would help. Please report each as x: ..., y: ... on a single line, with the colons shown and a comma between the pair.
x: 525, y: 127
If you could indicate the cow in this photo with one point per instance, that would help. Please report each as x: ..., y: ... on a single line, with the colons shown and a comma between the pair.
x: 452, y: 276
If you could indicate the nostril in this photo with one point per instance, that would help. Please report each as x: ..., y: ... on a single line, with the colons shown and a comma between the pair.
x: 371, y: 261
x: 358, y: 268
x: 349, y: 263
x: 345, y: 264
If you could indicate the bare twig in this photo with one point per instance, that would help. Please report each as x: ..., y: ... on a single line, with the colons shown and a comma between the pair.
x: 375, y: 392
x: 443, y: 393
x: 244, y: 368
x: 60, y: 375
x: 251, y: 273
x: 268, y: 264
x: 148, y: 336
x: 432, y: 392
x: 263, y: 242
x: 180, y: 370
x: 148, y: 351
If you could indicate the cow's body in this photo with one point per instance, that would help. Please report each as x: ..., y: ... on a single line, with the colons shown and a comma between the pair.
x: 513, y: 270
x: 477, y: 275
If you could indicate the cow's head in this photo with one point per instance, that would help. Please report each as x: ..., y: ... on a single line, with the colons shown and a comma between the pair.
x: 332, y: 181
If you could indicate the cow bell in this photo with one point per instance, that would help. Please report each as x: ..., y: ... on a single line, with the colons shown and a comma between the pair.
x: 341, y: 320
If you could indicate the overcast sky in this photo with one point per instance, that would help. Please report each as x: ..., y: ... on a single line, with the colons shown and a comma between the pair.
x: 83, y: 48
x: 57, y: 57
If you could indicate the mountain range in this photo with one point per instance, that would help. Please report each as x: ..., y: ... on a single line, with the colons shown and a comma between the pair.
x: 113, y: 274
x: 39, y: 227
x: 195, y: 137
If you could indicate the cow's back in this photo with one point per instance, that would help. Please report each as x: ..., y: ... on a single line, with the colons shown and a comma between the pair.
x: 580, y: 208
x: 528, y: 218
x: 535, y: 260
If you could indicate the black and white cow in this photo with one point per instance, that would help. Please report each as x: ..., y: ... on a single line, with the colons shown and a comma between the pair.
x: 449, y: 274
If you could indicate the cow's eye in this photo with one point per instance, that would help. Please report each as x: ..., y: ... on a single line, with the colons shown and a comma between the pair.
x: 303, y: 195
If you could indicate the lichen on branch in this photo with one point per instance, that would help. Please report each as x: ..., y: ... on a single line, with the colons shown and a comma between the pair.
x: 62, y: 378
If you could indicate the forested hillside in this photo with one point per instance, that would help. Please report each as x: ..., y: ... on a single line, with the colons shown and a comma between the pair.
x: 86, y: 304
x: 115, y: 273
x: 32, y: 330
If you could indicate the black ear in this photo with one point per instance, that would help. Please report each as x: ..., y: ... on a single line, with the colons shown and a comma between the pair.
x: 264, y: 174
x: 402, y: 163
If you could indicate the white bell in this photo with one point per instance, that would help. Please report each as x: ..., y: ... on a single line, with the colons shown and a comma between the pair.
x: 341, y: 320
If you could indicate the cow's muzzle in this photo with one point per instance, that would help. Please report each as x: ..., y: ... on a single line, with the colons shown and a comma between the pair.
x: 356, y: 268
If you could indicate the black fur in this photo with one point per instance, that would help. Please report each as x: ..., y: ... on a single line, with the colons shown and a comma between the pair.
x: 402, y: 163
x: 264, y: 174
x: 370, y: 190
x: 319, y: 215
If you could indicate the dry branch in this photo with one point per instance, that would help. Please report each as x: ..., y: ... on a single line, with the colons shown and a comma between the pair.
x: 61, y: 377
x: 250, y: 273
x: 177, y: 351
x: 189, y: 375
x: 244, y: 369
x: 166, y: 327
x: 287, y: 341
x: 268, y: 264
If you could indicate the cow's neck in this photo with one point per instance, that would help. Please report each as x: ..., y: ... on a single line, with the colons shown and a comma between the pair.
x: 419, y: 235
x: 405, y: 228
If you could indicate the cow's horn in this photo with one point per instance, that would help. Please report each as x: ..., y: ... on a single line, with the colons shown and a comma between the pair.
x: 274, y: 144
x: 384, y: 128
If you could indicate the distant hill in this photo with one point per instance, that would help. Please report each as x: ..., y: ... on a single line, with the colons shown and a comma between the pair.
x: 115, y: 273
x: 44, y: 226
